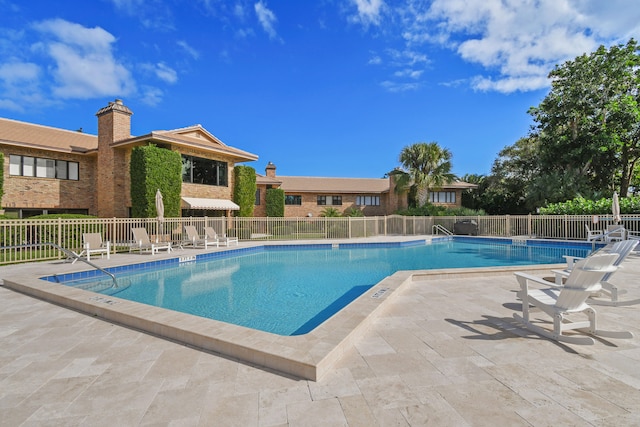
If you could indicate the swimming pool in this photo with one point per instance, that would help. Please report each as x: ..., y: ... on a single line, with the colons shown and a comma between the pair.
x: 291, y: 289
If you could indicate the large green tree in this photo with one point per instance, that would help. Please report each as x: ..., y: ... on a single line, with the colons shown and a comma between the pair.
x: 588, y: 126
x: 425, y: 167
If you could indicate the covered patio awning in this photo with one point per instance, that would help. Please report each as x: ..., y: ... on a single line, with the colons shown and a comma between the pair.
x: 209, y: 204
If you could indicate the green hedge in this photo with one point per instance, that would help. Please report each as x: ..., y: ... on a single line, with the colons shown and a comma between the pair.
x: 154, y: 168
x: 244, y: 191
x: 1, y: 177
x: 275, y: 202
x: 582, y: 206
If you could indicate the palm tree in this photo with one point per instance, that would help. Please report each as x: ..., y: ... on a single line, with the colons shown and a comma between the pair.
x: 425, y: 166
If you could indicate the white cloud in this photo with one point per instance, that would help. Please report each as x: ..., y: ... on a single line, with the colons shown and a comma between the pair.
x: 154, y: 14
x: 394, y: 86
x: 267, y: 19
x: 375, y: 60
x: 84, y: 63
x: 516, y: 42
x: 17, y: 72
x: 20, y: 86
x: 188, y: 49
x: 369, y: 11
x: 519, y: 42
x: 409, y: 73
x: 151, y: 95
x: 166, y: 73
x: 128, y: 6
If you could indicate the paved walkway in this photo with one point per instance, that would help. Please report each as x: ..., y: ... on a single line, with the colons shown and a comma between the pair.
x: 447, y: 353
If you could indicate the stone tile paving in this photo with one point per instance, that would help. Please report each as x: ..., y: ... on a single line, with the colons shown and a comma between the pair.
x: 447, y: 353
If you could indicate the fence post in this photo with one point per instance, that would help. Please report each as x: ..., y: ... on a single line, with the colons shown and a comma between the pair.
x: 59, y: 235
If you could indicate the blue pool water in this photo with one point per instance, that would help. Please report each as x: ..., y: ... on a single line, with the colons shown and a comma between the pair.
x: 289, y: 290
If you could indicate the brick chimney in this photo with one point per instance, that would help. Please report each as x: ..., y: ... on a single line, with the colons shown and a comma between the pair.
x: 114, y: 124
x: 270, y: 170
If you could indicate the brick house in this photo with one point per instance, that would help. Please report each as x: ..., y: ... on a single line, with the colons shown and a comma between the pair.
x: 49, y: 170
x: 310, y: 196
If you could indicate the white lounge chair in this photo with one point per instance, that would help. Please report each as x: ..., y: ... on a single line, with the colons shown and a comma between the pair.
x: 210, y: 233
x: 593, y: 234
x: 583, y: 281
x: 93, y: 244
x: 615, y: 233
x: 143, y: 243
x: 194, y: 239
x: 622, y: 250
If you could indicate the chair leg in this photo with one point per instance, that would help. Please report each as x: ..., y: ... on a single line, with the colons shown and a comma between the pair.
x: 591, y: 315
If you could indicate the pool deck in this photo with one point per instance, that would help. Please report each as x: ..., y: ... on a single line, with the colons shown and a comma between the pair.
x: 445, y: 351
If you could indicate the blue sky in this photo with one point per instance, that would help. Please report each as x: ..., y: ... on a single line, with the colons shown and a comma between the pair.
x: 330, y: 88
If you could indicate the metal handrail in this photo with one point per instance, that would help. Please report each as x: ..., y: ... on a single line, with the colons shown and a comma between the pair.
x: 438, y: 227
x: 69, y: 254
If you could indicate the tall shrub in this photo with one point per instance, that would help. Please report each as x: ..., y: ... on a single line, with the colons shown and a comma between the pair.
x: 1, y: 178
x: 582, y: 206
x: 154, y: 168
x: 275, y: 202
x: 244, y: 192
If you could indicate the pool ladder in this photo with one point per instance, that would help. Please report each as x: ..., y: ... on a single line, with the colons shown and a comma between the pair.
x: 439, y: 228
x: 69, y: 254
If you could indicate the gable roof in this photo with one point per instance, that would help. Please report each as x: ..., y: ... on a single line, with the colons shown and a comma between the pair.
x: 31, y: 135
x: 266, y: 180
x: 193, y: 136
x: 305, y: 184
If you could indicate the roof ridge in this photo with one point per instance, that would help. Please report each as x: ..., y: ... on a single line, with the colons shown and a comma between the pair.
x: 48, y: 127
x: 324, y: 177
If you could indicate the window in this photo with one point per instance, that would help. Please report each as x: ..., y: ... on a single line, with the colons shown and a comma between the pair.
x: 28, y: 168
x: 442, y: 197
x: 197, y: 170
x: 293, y: 200
x: 329, y: 200
x: 257, y: 203
x: 46, y: 168
x: 74, y: 170
x: 43, y: 168
x: 62, y: 171
x: 15, y: 165
x: 368, y: 200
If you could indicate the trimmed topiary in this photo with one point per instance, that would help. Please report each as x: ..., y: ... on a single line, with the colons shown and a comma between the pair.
x: 244, y: 191
x: 275, y: 202
x: 154, y: 168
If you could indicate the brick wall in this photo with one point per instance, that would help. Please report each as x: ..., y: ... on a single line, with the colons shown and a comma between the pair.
x: 114, y: 124
x: 209, y: 191
x: 310, y: 205
x: 49, y: 193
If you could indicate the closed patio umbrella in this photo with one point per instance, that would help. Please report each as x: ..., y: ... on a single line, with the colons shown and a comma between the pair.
x: 159, y: 206
x: 615, y: 208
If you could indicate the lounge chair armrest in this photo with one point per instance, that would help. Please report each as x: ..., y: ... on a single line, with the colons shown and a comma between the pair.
x: 560, y: 275
x: 525, y: 278
x: 571, y: 260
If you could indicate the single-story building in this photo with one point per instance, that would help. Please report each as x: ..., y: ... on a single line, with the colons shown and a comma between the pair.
x: 310, y: 196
